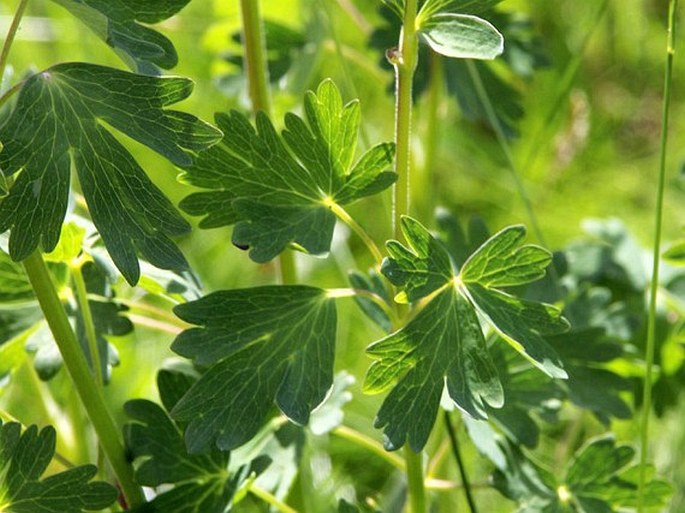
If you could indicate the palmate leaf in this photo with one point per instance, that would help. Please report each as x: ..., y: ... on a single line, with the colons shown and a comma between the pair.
x: 600, y: 478
x: 444, y: 343
x: 279, y: 190
x: 60, y: 120
x: 265, y: 344
x: 24, y: 457
x: 192, y: 483
x: 122, y: 24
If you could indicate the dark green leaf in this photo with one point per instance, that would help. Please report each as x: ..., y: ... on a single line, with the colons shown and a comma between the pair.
x: 444, y: 343
x: 122, y: 24
x: 58, y: 121
x: 261, y: 345
x: 195, y: 483
x: 279, y: 190
x: 462, y: 36
x: 24, y: 457
x: 374, y: 284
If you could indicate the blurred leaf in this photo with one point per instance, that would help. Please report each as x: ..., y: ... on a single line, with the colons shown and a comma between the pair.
x: 122, y: 24
x: 24, y: 457
x: 280, y: 190
x: 443, y: 342
x: 374, y: 284
x: 329, y: 414
x: 69, y: 246
x: 266, y: 344
x: 460, y: 243
x: 676, y: 253
x: 457, y: 6
x: 462, y: 36
x: 57, y: 122
x: 600, y: 478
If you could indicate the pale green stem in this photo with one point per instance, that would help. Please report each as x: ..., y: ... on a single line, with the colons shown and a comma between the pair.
x: 81, y: 294
x: 254, y: 46
x: 416, y: 491
x: 506, y: 150
x: 405, y: 60
x: 11, y: 34
x: 271, y: 500
x: 75, y: 362
x: 654, y: 286
x: 371, y: 445
x: 346, y: 218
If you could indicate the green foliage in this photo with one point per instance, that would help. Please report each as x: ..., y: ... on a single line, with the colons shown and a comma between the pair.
x: 57, y: 122
x: 462, y: 36
x: 122, y: 24
x: 24, y: 457
x: 260, y: 345
x: 279, y: 190
x: 444, y: 341
x: 599, y: 479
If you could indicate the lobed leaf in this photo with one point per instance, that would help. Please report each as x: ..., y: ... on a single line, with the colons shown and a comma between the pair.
x: 279, y: 189
x: 24, y: 457
x: 261, y: 345
x: 59, y: 122
x: 122, y: 24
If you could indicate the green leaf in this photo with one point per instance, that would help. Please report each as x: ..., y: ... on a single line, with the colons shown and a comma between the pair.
x: 265, y: 344
x: 443, y: 343
x: 194, y: 483
x: 279, y: 190
x: 24, y: 457
x: 122, y: 24
x: 676, y: 253
x: 462, y: 36
x: 60, y: 120
x: 600, y: 478
x: 372, y: 283
x: 457, y: 6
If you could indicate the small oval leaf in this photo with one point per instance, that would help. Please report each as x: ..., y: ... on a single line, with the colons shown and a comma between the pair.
x: 462, y: 36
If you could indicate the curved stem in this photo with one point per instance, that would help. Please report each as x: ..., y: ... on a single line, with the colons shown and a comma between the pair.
x: 11, y: 34
x: 79, y: 371
x: 81, y: 294
x: 371, y: 445
x: 346, y: 218
x: 654, y: 286
x: 460, y: 463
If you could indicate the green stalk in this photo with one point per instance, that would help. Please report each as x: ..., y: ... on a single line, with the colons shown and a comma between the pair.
x: 271, y: 500
x: 254, y: 46
x: 405, y: 61
x: 80, y: 373
x: 81, y: 294
x: 654, y: 286
x: 11, y: 34
x: 460, y: 463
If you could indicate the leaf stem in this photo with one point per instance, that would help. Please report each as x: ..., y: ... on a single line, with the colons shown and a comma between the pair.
x: 654, y: 286
x: 81, y: 294
x: 370, y: 444
x: 415, y: 486
x: 11, y: 34
x: 346, y: 218
x: 460, y: 463
x: 254, y: 56
x: 80, y: 373
x: 271, y: 499
x: 404, y: 60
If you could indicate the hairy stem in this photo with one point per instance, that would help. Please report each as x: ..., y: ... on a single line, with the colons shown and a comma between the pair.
x: 75, y: 362
x: 654, y: 286
x: 460, y: 463
x: 404, y: 60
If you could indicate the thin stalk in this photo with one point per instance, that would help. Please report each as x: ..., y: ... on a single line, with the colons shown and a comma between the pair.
x: 404, y: 61
x: 654, y: 286
x: 371, y: 445
x: 271, y: 500
x: 11, y: 34
x: 506, y: 150
x: 415, y: 486
x: 81, y: 294
x: 254, y: 57
x: 346, y: 218
x: 79, y: 371
x: 460, y: 463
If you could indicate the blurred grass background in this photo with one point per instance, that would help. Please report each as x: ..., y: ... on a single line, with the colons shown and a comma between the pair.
x: 590, y: 150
